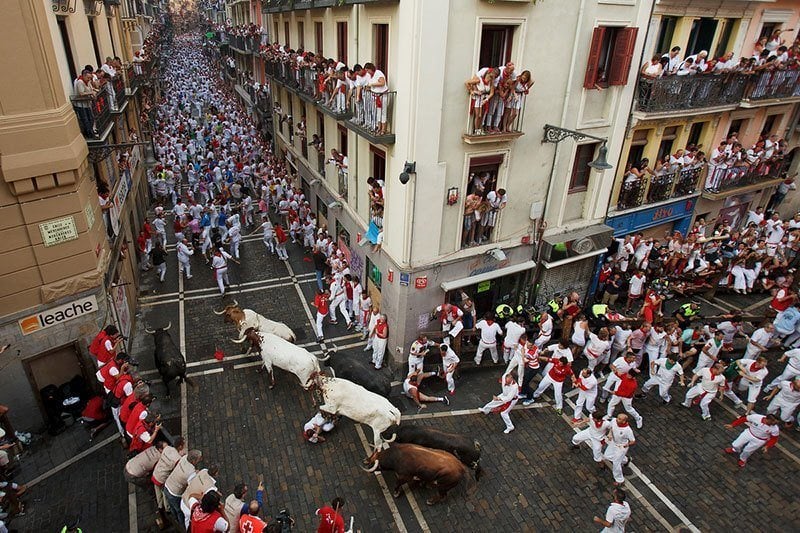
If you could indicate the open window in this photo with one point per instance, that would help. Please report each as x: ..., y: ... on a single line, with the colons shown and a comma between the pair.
x: 318, y: 37
x: 341, y: 41
x: 496, y: 44
x: 579, y: 180
x: 380, y: 45
x: 610, y: 56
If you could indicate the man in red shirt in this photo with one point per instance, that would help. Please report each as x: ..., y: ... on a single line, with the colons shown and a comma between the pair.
x: 321, y: 301
x: 145, y: 433
x: 560, y: 371
x: 330, y: 520
x: 624, y: 394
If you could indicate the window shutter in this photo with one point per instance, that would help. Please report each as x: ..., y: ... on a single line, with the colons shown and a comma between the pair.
x: 623, y: 53
x: 594, y: 58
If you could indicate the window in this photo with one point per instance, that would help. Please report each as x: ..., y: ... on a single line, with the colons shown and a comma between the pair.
x: 374, y: 274
x: 581, y: 170
x: 378, y: 163
x: 701, y: 35
x: 322, y: 210
x: 286, y: 33
x: 380, y: 44
x: 342, y: 139
x: 93, y: 32
x: 769, y: 125
x: 341, y: 41
x: 62, y: 29
x: 695, y: 132
x: 737, y: 126
x: 342, y: 233
x: 638, y: 143
x: 666, y: 31
x: 610, y: 56
x: 318, y: 37
x: 483, y: 175
x: 723, y: 45
x: 275, y: 36
x: 767, y: 29
x: 321, y: 125
x: 301, y: 30
x: 496, y: 42
x: 667, y: 141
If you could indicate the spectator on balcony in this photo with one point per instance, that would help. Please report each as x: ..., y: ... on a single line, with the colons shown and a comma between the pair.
x: 494, y: 202
x: 654, y: 68
x: 107, y: 85
x: 339, y: 160
x: 472, y: 216
x: 699, y: 59
x: 780, y: 193
x: 781, y: 56
x: 687, y: 68
x: 375, y: 192
x: 674, y: 61
x: 481, y: 90
x: 361, y: 79
x: 108, y: 67
x: 85, y: 92
x: 725, y: 64
x: 137, y: 62
x: 516, y: 100
x: 378, y: 104
x: 775, y: 41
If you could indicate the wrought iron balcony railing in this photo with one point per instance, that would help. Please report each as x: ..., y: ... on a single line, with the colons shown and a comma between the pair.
x: 94, y: 114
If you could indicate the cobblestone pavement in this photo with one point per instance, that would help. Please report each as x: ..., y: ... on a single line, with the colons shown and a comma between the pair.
x: 534, y: 481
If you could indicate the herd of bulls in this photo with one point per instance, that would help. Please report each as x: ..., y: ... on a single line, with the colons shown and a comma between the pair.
x: 353, y: 390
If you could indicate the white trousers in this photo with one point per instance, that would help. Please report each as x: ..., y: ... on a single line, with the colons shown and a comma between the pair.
x: 753, y: 390
x: 557, y: 386
x: 235, y: 248
x: 341, y: 304
x: 221, y: 275
x: 186, y: 267
x: 320, y: 316
x: 663, y: 388
x: 789, y: 373
x: 745, y: 444
x: 161, y: 271
x: 627, y: 403
x: 415, y: 363
x: 787, y: 409
x: 618, y: 455
x: 611, y: 382
x: 596, y: 444
x: 486, y: 409
x: 449, y: 377
x: 378, y: 350
x: 585, y: 398
x: 482, y: 347
x: 705, y: 401
x: 115, y: 414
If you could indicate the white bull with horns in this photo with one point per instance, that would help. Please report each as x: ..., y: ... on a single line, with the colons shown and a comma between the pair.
x: 343, y: 397
x: 281, y: 353
x: 247, y: 318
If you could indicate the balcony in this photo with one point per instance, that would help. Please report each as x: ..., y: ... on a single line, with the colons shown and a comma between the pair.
x: 371, y: 116
x: 237, y: 42
x: 117, y: 85
x: 686, y: 93
x: 509, y: 124
x: 722, y: 180
x: 679, y: 93
x: 653, y: 189
x: 94, y: 115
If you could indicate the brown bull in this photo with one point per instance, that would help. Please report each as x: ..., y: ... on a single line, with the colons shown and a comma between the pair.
x: 233, y: 313
x: 413, y: 463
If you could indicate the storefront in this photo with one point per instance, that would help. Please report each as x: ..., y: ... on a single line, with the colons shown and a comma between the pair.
x: 487, y: 290
x: 656, y: 221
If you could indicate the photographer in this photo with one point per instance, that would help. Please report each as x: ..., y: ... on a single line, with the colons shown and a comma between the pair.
x: 330, y: 519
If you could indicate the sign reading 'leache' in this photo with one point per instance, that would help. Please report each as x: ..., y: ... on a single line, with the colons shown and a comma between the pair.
x: 57, y: 315
x: 58, y: 231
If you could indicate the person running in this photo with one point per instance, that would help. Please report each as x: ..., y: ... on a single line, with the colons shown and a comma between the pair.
x: 712, y: 382
x: 504, y: 403
x: 762, y: 431
x: 619, y: 440
x: 617, y: 514
x: 330, y: 517
x: 595, y: 435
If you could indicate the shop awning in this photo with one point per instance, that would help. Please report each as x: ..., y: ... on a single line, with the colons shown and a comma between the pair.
x: 500, y: 272
x: 575, y: 258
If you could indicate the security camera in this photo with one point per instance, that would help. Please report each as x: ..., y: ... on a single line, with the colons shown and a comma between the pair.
x: 334, y: 205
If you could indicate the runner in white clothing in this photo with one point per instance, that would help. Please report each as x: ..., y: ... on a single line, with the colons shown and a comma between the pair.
x: 711, y: 382
x: 751, y: 374
x: 185, y: 251
x: 791, y: 371
x: 586, y: 384
x: 514, y: 330
x: 763, y: 431
x: 786, y: 398
x: 595, y: 435
x: 664, y: 371
x: 620, y: 367
x: 617, y: 514
x: 596, y: 346
x: 504, y: 403
x: 219, y: 264
x: 489, y: 331
x: 620, y: 439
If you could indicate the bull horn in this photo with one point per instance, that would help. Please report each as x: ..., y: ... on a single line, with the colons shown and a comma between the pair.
x: 169, y: 325
x: 241, y: 340
x: 327, y: 356
x: 150, y: 331
x: 219, y: 312
x: 235, y: 303
x: 373, y: 468
x: 394, y: 437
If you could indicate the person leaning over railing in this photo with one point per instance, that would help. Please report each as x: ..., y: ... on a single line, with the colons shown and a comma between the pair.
x: 84, y: 96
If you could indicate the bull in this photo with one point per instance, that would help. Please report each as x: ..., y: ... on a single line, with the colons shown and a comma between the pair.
x: 466, y: 450
x: 247, y: 318
x: 169, y: 360
x: 281, y: 353
x: 359, y: 372
x: 343, y: 397
x: 413, y: 463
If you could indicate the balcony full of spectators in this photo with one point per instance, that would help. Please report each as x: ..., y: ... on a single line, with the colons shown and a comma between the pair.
x: 497, y: 98
x: 668, y: 83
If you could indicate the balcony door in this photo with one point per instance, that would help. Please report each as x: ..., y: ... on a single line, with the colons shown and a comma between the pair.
x: 701, y: 37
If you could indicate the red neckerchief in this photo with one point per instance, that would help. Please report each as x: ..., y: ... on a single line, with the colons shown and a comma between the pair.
x: 622, y: 424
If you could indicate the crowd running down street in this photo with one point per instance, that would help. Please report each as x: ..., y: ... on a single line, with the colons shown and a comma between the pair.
x: 216, y: 181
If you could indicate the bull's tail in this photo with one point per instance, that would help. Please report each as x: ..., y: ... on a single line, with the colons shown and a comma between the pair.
x: 477, y: 469
x: 470, y: 485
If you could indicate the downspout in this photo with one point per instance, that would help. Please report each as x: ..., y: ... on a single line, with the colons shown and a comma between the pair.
x: 539, y: 231
x: 411, y: 187
x: 355, y: 152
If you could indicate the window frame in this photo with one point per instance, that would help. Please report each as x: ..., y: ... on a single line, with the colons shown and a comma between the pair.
x: 376, y: 155
x: 341, y: 40
x: 581, y: 172
x: 509, y: 31
x: 287, y: 33
x: 613, y: 46
x: 301, y: 30
x: 319, y: 36
x: 380, y: 46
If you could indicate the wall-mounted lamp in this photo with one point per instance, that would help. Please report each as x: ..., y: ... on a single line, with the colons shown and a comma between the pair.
x: 554, y: 134
x: 408, y: 168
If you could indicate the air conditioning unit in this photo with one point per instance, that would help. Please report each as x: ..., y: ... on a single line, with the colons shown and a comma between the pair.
x: 576, y: 243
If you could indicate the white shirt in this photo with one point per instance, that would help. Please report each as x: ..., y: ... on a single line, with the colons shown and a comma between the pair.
x: 509, y: 392
x: 621, y: 436
x: 761, y: 336
x: 667, y: 375
x: 546, y: 327
x: 588, y: 385
x: 618, y: 514
x: 623, y: 366
x: 759, y: 429
x: 621, y: 338
x: 595, y: 347
x: 758, y: 374
x: 513, y: 332
x: 184, y: 252
x: 709, y: 383
x: 787, y: 394
x: 636, y: 285
x: 793, y: 357
x: 450, y: 358
x: 596, y: 432
x: 489, y: 332
x: 559, y: 352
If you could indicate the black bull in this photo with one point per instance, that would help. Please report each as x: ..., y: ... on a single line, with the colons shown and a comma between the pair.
x: 465, y: 449
x: 168, y: 358
x: 359, y: 372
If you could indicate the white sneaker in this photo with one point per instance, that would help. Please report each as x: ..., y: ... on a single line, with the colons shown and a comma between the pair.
x: 508, y: 430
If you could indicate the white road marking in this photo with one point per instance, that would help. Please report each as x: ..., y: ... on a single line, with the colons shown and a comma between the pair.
x: 133, y: 513
x: 72, y: 460
x: 398, y: 520
x: 182, y: 340
x: 214, y: 289
x: 462, y: 412
x: 206, y: 372
x: 230, y: 292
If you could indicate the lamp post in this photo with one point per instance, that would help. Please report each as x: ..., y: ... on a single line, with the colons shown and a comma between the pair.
x: 554, y: 134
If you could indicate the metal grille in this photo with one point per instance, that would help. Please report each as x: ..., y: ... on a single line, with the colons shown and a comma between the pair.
x: 559, y: 281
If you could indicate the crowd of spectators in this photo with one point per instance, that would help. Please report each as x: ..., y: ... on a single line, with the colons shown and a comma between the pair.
x: 497, y: 98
